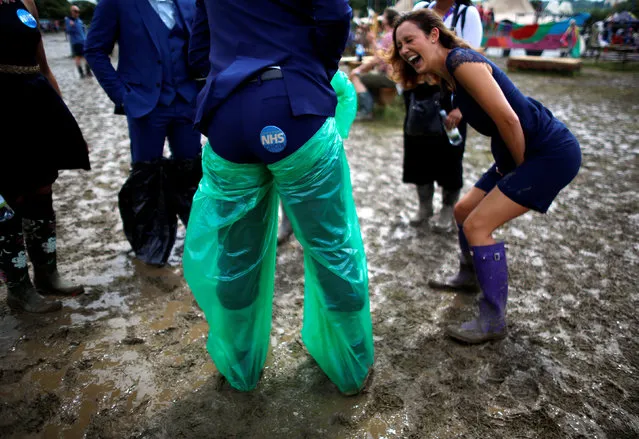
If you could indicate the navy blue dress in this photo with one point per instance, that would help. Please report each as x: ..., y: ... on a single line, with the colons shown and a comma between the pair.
x: 39, y: 135
x: 552, y: 156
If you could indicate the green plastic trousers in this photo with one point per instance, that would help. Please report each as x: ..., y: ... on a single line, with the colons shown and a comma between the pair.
x: 229, y: 260
x: 346, y: 109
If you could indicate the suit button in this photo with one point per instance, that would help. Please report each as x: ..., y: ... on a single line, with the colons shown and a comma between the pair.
x: 157, y: 84
x: 159, y: 61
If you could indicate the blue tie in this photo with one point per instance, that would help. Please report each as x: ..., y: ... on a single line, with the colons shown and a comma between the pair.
x: 166, y: 10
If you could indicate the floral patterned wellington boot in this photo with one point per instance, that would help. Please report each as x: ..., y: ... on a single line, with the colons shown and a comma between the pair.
x: 41, y: 245
x: 21, y: 296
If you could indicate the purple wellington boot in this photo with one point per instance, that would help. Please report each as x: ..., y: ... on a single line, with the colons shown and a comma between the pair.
x: 492, y: 274
x: 464, y: 280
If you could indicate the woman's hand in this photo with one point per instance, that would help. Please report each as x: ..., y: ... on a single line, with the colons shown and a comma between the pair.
x: 478, y: 80
x: 6, y: 1
x: 453, y: 119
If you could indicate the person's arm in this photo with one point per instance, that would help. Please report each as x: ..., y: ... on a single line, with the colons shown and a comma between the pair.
x: 41, y: 56
x: 473, y: 31
x: 477, y: 79
x: 332, y: 25
x: 366, y: 67
x: 199, y: 45
x: 99, y: 44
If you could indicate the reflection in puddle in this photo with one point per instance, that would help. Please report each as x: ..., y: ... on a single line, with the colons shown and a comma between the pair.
x: 9, y: 334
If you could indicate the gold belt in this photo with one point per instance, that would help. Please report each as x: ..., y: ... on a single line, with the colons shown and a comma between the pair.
x: 19, y: 70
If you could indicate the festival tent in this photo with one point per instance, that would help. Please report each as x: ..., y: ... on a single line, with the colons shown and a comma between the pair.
x: 511, y: 10
x: 552, y: 7
x: 404, y: 5
x: 566, y: 8
x: 555, y: 8
x: 623, y: 18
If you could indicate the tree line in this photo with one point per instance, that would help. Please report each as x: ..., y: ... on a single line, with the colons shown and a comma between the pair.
x: 58, y: 9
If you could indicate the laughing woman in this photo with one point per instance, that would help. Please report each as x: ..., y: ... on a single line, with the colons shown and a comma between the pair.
x: 535, y: 157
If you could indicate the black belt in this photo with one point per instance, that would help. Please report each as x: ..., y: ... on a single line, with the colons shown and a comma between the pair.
x: 267, y: 75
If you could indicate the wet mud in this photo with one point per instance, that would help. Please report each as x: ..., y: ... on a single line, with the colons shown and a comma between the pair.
x: 128, y: 359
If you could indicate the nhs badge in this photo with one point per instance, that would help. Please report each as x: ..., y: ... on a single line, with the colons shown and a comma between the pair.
x: 26, y: 18
x: 273, y: 139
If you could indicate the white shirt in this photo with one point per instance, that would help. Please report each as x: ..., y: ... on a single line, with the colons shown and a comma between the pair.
x: 473, y: 30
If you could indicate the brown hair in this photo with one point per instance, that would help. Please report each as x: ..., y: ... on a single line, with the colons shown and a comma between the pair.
x: 391, y: 16
x: 426, y: 20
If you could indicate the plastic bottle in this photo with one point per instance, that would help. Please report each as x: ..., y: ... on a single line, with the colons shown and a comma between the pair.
x: 6, y: 213
x: 454, y: 136
x: 360, y: 51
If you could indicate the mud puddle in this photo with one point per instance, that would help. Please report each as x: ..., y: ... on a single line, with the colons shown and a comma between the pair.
x: 128, y: 359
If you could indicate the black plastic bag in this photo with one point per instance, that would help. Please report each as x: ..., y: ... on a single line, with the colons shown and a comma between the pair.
x: 184, y: 177
x: 148, y: 215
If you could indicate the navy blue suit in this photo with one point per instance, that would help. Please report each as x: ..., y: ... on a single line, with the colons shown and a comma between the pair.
x: 305, y: 38
x: 156, y: 90
x: 152, y: 81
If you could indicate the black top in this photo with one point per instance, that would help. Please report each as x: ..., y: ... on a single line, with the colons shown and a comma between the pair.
x: 19, y: 35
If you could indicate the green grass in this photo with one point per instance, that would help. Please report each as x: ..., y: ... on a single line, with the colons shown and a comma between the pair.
x: 388, y: 116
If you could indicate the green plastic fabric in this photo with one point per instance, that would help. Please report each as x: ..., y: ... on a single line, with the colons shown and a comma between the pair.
x: 229, y: 260
x: 346, y: 109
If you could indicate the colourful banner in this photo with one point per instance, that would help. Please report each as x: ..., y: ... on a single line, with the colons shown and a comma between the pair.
x: 544, y: 36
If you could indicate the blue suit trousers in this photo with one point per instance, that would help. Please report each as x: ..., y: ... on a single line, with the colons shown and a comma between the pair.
x: 149, y: 133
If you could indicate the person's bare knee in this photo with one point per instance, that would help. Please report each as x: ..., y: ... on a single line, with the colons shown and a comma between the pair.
x: 461, y: 211
x: 476, y: 230
x: 464, y: 207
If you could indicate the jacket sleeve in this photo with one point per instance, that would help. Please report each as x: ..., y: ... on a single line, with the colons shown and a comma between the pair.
x: 103, y: 34
x: 199, y: 46
x: 332, y: 26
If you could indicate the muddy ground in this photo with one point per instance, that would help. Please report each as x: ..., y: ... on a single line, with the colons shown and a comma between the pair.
x: 128, y: 359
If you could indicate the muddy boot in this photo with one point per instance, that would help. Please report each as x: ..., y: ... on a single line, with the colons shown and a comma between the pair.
x: 285, y: 231
x: 425, y: 196
x: 492, y: 273
x: 41, y: 245
x: 445, y: 221
x: 21, y: 295
x: 89, y: 73
x: 366, y: 104
x: 464, y: 280
x: 81, y: 72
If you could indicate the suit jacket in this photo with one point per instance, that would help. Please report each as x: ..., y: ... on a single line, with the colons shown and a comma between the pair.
x: 136, y: 83
x: 305, y: 38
